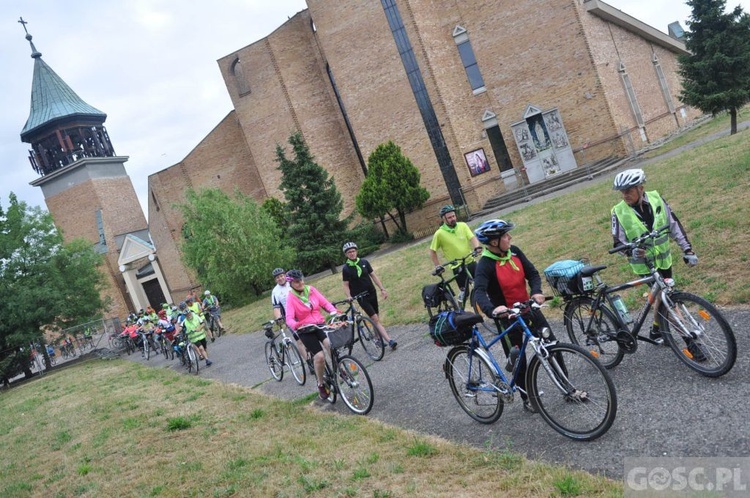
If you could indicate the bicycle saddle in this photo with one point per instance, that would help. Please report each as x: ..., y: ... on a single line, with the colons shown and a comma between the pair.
x: 587, y: 271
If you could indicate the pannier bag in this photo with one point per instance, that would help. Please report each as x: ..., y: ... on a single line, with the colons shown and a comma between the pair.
x: 432, y: 295
x: 449, y: 328
x: 340, y: 337
x: 565, y: 278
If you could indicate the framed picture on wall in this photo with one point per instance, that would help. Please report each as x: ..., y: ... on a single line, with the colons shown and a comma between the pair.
x: 477, y: 162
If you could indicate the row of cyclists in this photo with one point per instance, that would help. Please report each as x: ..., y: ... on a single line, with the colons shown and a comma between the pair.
x: 172, y: 324
x: 503, y: 274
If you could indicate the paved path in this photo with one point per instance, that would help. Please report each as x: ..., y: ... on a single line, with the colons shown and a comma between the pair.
x: 664, y: 408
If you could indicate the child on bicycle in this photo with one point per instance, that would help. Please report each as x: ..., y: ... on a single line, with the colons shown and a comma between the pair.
x: 359, y: 277
x: 303, y: 305
x: 502, y: 275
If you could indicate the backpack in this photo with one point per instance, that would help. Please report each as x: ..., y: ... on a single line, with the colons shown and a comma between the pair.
x: 450, y: 328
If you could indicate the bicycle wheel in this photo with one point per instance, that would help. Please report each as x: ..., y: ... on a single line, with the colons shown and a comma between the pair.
x: 472, y: 380
x: 147, y: 348
x: 354, y: 385
x: 272, y: 360
x: 573, y: 392
x: 294, y: 362
x: 600, y: 339
x: 698, y: 334
x: 192, y: 359
x: 370, y: 338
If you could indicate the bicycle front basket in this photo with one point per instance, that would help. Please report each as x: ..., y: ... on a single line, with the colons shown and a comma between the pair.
x: 564, y: 278
x: 340, y: 337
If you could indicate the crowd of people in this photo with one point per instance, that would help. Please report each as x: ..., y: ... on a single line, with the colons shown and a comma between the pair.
x: 171, y: 321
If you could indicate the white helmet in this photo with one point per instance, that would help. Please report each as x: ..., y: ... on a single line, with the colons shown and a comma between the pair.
x: 207, y: 293
x: 629, y: 178
x: 349, y: 245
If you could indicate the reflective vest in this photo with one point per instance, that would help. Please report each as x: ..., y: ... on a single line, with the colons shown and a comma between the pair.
x: 634, y: 228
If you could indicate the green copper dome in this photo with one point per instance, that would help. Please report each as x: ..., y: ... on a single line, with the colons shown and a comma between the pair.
x: 52, y: 99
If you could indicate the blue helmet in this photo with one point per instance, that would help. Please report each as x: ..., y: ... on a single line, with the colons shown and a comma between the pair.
x: 492, y: 229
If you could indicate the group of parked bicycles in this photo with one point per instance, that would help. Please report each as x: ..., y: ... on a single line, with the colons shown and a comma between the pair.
x: 345, y: 375
x: 569, y: 383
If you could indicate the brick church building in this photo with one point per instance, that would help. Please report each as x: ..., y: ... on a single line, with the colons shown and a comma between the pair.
x: 481, y: 96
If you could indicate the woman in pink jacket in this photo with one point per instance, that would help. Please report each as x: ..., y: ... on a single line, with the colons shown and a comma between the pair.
x: 303, y: 305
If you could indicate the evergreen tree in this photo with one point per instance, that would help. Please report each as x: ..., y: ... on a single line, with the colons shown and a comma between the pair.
x: 43, y: 283
x: 392, y: 183
x: 314, y: 206
x: 232, y: 244
x: 716, y: 74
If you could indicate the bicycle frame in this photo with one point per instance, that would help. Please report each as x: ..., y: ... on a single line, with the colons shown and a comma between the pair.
x: 446, y: 284
x: 478, y: 344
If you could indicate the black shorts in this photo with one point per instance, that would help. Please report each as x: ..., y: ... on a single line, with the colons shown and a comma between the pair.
x: 312, y: 340
x: 202, y: 342
x: 369, y: 303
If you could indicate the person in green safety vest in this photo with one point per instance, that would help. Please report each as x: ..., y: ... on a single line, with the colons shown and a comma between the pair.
x: 638, y: 212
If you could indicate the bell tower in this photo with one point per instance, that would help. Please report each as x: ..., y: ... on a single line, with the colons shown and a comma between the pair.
x: 85, y: 186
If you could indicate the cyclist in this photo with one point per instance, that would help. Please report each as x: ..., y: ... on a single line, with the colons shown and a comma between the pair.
x: 195, y: 328
x: 278, y: 301
x: 211, y: 305
x: 640, y: 212
x: 501, y: 279
x: 456, y: 240
x: 303, y: 305
x: 359, y: 277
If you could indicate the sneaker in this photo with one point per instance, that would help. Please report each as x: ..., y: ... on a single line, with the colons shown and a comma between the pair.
x: 213, y: 338
x: 655, y: 335
x: 529, y: 407
x: 393, y: 344
x: 209, y: 362
x: 323, y: 392
x: 695, y: 351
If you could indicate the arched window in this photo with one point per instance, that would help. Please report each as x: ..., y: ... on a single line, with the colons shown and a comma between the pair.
x: 243, y: 87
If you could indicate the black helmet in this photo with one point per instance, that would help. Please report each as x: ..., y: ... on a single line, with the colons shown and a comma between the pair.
x: 492, y: 229
x: 183, y: 305
x: 277, y: 272
x: 447, y: 209
x: 350, y: 245
x: 294, y: 275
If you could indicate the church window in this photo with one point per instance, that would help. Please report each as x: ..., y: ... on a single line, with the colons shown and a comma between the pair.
x: 469, y: 60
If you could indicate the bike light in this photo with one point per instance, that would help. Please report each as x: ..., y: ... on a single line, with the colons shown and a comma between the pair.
x: 704, y: 314
x: 546, y: 332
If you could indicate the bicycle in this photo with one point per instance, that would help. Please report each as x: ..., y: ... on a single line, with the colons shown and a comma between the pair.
x: 367, y: 334
x: 188, y: 356
x: 148, y: 344
x: 441, y: 295
x: 571, y: 390
x: 351, y: 379
x: 281, y: 351
x: 710, y: 347
x: 212, y: 324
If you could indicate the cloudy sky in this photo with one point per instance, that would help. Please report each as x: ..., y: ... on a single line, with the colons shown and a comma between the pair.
x: 150, y: 65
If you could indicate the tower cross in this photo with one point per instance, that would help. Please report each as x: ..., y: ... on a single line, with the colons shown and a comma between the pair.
x: 23, y: 23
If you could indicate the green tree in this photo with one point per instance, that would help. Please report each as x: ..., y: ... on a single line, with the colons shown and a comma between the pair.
x: 277, y: 211
x: 232, y: 244
x: 44, y: 283
x: 716, y: 74
x: 392, y: 183
x: 314, y: 206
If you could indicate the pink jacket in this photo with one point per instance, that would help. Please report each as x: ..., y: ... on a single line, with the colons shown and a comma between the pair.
x: 299, y: 314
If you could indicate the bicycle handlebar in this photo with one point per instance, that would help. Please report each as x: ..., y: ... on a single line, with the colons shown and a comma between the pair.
x: 439, y: 269
x: 640, y: 240
x: 520, y: 308
x: 353, y: 298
